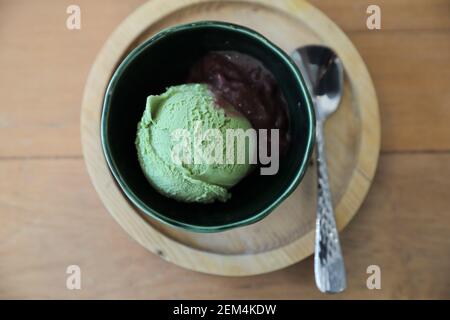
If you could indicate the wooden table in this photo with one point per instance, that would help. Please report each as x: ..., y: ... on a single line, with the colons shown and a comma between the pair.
x: 51, y: 217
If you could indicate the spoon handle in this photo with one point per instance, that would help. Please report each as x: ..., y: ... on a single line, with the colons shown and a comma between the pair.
x: 328, y: 261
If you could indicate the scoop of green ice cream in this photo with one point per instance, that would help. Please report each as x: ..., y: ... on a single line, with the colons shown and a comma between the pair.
x: 171, y: 125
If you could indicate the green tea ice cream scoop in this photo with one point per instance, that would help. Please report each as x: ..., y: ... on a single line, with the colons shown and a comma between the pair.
x: 182, y: 145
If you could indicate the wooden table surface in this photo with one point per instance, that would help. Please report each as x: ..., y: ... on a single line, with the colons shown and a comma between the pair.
x: 51, y: 216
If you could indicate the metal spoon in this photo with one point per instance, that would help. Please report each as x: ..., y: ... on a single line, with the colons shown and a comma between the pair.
x: 324, y: 75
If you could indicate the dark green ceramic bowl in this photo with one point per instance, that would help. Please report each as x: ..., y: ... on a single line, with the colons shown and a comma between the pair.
x: 163, y: 61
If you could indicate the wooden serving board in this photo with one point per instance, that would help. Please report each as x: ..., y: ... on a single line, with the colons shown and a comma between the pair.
x: 287, y: 235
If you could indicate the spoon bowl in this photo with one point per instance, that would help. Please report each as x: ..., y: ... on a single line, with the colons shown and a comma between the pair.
x: 324, y: 74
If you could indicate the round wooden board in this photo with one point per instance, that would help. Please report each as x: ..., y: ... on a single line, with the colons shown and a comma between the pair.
x: 287, y: 235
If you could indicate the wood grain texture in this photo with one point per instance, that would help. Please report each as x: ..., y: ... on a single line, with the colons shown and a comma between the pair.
x: 44, y: 58
x: 397, y: 15
x: 58, y: 220
x: 411, y: 71
x: 52, y: 217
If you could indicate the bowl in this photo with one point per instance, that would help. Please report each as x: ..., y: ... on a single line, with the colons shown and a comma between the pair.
x: 163, y: 61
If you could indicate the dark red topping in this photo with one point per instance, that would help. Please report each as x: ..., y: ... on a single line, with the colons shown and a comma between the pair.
x: 242, y: 81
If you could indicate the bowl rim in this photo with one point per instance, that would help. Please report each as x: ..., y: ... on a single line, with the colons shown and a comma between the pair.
x: 141, y: 205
